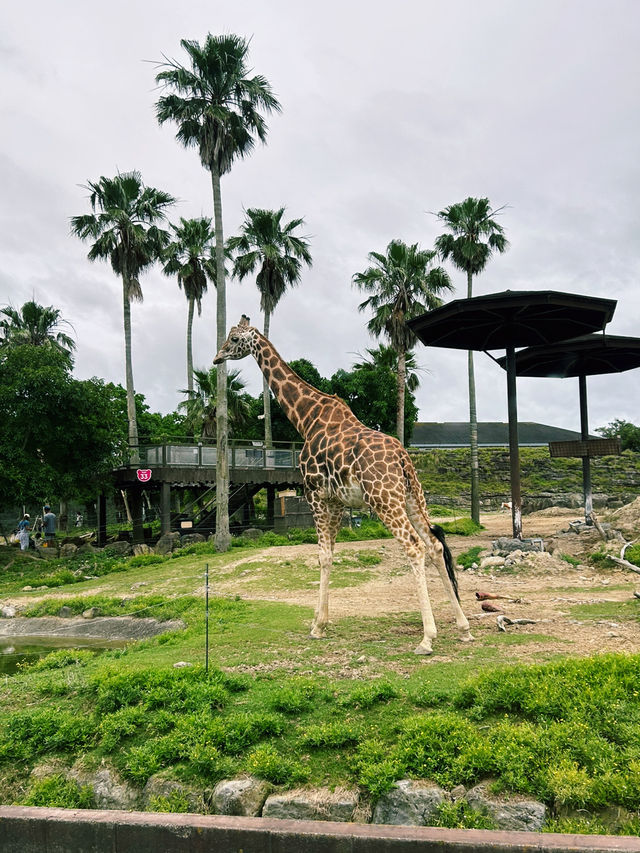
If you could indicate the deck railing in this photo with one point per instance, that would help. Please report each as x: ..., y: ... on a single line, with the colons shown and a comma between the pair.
x: 203, y: 455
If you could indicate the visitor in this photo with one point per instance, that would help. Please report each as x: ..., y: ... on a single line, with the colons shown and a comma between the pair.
x: 49, y: 523
x: 23, y: 531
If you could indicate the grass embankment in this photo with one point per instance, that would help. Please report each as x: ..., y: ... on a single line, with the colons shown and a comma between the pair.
x: 293, y: 711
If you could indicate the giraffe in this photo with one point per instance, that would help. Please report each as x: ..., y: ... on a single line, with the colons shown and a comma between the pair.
x: 346, y: 464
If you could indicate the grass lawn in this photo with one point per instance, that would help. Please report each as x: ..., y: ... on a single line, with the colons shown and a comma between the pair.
x: 356, y: 709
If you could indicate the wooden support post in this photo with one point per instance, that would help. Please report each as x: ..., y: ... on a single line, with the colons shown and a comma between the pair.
x: 165, y: 506
x: 102, y: 520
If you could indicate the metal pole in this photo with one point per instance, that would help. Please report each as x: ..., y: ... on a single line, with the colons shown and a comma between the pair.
x: 514, y: 448
x: 206, y: 618
x: 586, y: 462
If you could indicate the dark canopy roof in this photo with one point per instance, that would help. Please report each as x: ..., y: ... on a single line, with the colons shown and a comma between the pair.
x: 512, y: 319
x: 588, y: 355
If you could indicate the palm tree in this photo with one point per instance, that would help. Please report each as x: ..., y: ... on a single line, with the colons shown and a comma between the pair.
x: 123, y: 226
x: 403, y: 283
x: 386, y: 356
x: 201, y: 405
x: 266, y: 243
x: 35, y: 325
x: 217, y: 108
x: 189, y: 257
x: 473, y: 237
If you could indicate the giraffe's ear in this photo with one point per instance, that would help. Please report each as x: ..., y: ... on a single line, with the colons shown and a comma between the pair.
x: 244, y: 321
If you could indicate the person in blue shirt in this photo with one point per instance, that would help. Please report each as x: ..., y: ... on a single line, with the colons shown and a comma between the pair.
x: 24, y: 525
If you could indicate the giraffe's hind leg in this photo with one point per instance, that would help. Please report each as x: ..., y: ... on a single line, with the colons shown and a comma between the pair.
x: 393, y: 515
x: 435, y: 552
x: 327, y: 517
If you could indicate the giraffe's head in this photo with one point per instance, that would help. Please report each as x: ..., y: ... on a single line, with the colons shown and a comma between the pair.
x: 238, y: 344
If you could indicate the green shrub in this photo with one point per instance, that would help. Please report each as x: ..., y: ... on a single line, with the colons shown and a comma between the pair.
x: 368, y: 695
x: 266, y: 762
x: 62, y: 658
x: 462, y: 527
x: 176, y: 802
x: 183, y: 690
x: 460, y: 815
x: 376, y: 767
x: 329, y: 735
x: 58, y: 792
x: 116, y: 727
x: 295, y: 697
x: 145, y: 560
x: 28, y: 734
x: 468, y: 558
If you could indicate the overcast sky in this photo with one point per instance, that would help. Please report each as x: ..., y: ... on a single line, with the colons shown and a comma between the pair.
x: 390, y: 111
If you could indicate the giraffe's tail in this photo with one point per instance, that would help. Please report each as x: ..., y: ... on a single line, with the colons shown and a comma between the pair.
x: 438, y: 532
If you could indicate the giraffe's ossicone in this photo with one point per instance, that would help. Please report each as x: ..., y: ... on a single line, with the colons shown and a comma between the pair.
x: 346, y: 464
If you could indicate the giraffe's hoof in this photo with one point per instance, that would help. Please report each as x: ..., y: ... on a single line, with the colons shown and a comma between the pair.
x: 423, y: 649
x: 467, y: 638
x: 317, y: 633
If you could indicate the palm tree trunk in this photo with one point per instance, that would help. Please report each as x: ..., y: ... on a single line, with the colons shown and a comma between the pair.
x: 189, y: 348
x: 473, y: 425
x: 223, y: 536
x: 134, y: 454
x: 402, y: 379
x: 266, y: 393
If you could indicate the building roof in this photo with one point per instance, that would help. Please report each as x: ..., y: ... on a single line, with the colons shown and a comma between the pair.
x: 490, y: 434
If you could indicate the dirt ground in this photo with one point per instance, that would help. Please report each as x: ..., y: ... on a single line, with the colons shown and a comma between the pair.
x: 541, y: 586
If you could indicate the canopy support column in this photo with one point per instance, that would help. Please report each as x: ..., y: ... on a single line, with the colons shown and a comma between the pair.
x: 514, y: 449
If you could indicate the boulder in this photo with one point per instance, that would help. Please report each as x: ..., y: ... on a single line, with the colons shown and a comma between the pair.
x: 241, y: 797
x: 167, y: 543
x: 91, y: 612
x: 508, y: 813
x: 191, y: 539
x: 109, y: 790
x: 410, y: 803
x: 505, y: 545
x: 315, y: 804
x: 68, y: 550
x: 7, y: 611
x: 65, y: 612
x: 118, y: 549
x: 252, y: 533
x: 142, y: 549
x: 88, y: 549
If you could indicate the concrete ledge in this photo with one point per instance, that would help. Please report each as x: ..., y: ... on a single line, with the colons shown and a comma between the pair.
x: 37, y: 830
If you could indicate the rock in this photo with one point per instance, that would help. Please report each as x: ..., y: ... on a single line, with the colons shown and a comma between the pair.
x: 410, y: 802
x: 504, y: 545
x: 88, y: 549
x: 191, y: 539
x: 159, y: 786
x: 68, y: 550
x: 91, y: 613
x: 167, y: 543
x: 109, y: 790
x: 65, y: 612
x: 491, y: 562
x: 27, y: 588
x: 316, y: 804
x: 118, y: 549
x: 242, y: 797
x: 512, y: 813
x: 253, y: 533
x: 181, y: 664
x: 7, y: 611
x: 457, y: 793
x: 142, y: 549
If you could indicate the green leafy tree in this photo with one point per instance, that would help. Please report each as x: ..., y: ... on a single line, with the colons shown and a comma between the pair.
x: 269, y: 245
x: 201, y: 407
x: 59, y: 437
x: 628, y: 433
x: 472, y: 237
x: 35, y: 325
x: 124, y: 227
x: 403, y: 283
x: 219, y: 110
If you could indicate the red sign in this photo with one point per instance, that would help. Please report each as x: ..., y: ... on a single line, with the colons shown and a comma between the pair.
x: 143, y: 474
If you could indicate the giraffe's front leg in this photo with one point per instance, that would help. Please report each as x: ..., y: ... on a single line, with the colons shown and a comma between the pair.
x: 327, y: 517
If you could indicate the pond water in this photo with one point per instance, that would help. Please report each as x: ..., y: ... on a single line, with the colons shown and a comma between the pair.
x: 15, y: 651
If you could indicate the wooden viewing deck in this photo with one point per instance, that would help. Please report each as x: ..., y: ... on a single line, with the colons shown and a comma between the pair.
x: 178, y: 466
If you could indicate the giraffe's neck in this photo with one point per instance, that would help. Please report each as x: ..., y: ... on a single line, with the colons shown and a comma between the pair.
x: 296, y: 397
